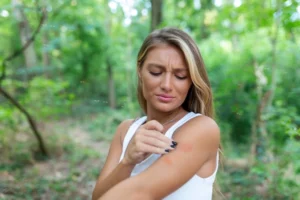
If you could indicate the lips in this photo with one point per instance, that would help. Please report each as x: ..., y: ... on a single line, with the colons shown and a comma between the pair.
x: 165, y: 98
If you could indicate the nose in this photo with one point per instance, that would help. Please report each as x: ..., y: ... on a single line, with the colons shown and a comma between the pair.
x: 166, y: 83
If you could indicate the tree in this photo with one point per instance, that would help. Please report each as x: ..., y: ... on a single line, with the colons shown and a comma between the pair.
x: 156, y: 13
x: 29, y: 118
x: 25, y: 33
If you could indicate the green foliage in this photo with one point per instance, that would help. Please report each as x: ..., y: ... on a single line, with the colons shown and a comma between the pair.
x: 67, y: 174
x: 103, y: 125
x: 246, y: 49
x: 56, y: 101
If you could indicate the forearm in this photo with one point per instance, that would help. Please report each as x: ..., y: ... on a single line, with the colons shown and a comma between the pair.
x: 133, y: 196
x: 129, y: 189
x: 120, y: 173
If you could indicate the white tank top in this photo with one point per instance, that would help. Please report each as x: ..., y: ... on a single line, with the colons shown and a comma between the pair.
x: 194, y: 189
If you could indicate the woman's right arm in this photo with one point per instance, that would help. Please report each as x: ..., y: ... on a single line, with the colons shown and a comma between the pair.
x: 113, y: 172
x: 147, y: 139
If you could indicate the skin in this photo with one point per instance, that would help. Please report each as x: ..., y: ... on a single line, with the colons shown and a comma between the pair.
x: 164, y: 72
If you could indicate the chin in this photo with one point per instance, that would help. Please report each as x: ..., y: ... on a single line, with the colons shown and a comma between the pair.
x: 165, y: 107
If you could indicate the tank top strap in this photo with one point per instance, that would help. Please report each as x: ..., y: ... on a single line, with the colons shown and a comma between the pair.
x: 179, y: 123
x: 131, y: 131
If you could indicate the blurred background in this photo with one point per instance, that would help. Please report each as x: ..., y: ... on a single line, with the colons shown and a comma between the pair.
x: 68, y: 78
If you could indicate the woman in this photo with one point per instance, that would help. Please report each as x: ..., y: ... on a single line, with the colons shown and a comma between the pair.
x: 172, y: 152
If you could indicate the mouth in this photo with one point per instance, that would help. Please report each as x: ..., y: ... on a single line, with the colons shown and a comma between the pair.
x: 165, y: 98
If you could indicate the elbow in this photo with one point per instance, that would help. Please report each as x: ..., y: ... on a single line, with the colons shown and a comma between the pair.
x: 139, y: 197
x: 142, y: 195
x: 96, y: 195
x: 125, y: 196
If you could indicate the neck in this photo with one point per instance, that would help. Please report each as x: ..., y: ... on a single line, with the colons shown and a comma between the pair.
x: 164, y: 117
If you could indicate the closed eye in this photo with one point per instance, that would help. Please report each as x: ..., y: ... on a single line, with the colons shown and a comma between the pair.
x: 181, y: 77
x: 155, y: 73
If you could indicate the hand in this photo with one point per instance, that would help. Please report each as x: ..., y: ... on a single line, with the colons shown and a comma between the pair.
x: 148, y: 139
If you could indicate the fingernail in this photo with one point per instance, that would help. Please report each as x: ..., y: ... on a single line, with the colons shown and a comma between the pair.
x: 167, y: 150
x: 174, y: 143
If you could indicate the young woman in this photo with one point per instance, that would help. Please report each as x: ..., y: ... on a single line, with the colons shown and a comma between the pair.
x: 172, y: 152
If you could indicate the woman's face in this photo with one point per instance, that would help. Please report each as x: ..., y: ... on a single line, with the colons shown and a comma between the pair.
x: 165, y: 78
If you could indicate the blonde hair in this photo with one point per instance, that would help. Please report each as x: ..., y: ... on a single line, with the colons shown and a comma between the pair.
x: 199, y: 98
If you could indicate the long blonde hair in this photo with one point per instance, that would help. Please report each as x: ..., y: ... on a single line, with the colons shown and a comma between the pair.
x: 199, y: 98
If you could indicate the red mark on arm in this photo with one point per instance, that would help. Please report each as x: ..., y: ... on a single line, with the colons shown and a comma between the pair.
x: 185, y: 147
x: 167, y: 160
x: 182, y: 147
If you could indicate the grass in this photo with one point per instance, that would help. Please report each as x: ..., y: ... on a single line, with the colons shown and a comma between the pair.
x: 71, y: 171
x: 78, y: 147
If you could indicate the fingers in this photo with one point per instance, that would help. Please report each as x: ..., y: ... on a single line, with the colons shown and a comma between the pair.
x: 143, y: 147
x: 152, y: 141
x: 149, y: 139
x: 158, y: 136
x: 156, y: 130
x: 153, y: 125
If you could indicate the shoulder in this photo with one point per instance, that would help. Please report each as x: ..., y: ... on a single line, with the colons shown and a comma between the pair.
x: 200, y: 130
x: 203, y: 122
x: 125, y: 124
x: 123, y: 128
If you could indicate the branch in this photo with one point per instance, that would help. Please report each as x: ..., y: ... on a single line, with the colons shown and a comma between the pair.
x: 30, y: 120
x: 23, y: 48
x: 11, y: 99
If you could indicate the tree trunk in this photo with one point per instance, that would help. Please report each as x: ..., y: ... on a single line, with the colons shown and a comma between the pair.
x: 156, y: 13
x: 27, y: 43
x: 129, y: 72
x: 259, y: 133
x: 84, y: 68
x: 259, y: 130
x: 45, y: 40
x: 206, y: 5
x: 30, y: 120
x: 111, y: 86
x: 17, y: 53
x: 45, y: 54
x: 109, y: 67
x: 25, y: 33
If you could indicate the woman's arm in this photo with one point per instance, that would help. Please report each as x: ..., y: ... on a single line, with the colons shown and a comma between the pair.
x: 147, y: 139
x: 198, y: 142
x: 113, y: 172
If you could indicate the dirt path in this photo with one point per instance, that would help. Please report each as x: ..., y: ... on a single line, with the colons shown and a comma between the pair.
x: 71, y: 173
x: 83, y: 138
x: 60, y: 169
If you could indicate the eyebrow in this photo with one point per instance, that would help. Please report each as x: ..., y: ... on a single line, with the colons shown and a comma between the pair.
x: 162, y: 67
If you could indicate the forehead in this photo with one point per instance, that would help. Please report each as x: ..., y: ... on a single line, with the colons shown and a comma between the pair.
x: 166, y: 53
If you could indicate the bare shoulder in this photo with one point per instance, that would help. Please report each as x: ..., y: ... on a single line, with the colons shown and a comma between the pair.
x: 125, y: 124
x: 206, y: 125
x: 200, y: 127
x: 123, y: 128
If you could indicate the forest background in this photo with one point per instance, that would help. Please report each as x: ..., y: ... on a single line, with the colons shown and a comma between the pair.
x: 68, y: 78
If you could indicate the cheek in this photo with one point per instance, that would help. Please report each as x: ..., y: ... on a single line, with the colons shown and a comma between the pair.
x: 184, y: 89
x: 150, y: 82
x: 148, y: 85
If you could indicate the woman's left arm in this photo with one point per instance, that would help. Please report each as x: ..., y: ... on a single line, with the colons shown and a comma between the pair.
x: 198, y: 141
